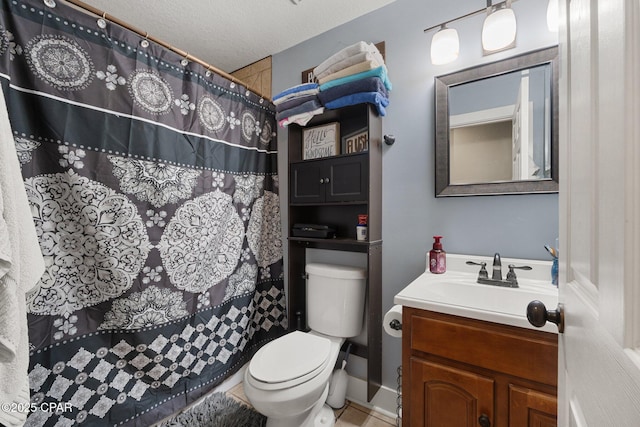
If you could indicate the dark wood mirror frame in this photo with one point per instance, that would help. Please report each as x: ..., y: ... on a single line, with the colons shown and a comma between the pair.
x: 443, y: 186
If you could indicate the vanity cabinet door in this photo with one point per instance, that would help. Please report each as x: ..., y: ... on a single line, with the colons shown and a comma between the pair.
x: 443, y: 396
x: 531, y: 408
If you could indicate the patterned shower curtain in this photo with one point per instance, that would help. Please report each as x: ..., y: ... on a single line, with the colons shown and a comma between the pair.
x: 154, y: 192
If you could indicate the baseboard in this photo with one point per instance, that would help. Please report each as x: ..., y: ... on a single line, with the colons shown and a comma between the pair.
x: 232, y: 381
x: 384, y: 401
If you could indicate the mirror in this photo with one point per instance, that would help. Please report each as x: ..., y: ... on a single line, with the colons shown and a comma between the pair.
x: 497, y: 127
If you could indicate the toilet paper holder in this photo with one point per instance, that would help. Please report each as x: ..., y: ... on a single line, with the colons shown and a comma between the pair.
x: 395, y: 324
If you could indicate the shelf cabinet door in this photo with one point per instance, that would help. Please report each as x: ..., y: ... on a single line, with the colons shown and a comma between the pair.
x: 531, y: 408
x: 348, y: 179
x: 337, y: 179
x: 443, y: 396
x: 305, y: 184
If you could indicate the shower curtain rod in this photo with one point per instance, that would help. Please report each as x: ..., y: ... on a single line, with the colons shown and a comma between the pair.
x: 186, y: 55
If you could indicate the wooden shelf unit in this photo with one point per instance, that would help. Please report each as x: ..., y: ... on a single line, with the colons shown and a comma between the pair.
x: 351, y: 193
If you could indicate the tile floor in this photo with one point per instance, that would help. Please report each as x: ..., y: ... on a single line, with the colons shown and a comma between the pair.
x: 351, y: 415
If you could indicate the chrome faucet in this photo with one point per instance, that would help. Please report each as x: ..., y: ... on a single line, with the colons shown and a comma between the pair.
x: 511, y: 280
x: 497, y: 267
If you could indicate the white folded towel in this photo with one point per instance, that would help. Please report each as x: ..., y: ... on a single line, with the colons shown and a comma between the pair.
x: 21, y: 266
x: 353, y: 50
x: 375, y: 57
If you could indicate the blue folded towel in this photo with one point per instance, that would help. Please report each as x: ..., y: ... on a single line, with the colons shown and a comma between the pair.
x: 294, y: 102
x: 375, y: 98
x: 376, y: 72
x: 305, y: 87
x: 368, y: 84
x: 314, y: 104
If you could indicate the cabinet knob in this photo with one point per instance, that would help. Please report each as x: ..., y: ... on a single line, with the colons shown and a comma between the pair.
x: 538, y: 315
x: 326, y: 180
x: 484, y: 421
x: 321, y: 180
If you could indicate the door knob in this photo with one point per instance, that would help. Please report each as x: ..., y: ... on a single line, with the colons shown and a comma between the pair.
x: 484, y: 421
x: 538, y: 315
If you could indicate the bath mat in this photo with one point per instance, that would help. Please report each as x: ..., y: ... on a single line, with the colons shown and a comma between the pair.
x: 217, y: 410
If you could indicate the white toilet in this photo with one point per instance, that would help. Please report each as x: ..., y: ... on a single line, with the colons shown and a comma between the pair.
x: 288, y: 379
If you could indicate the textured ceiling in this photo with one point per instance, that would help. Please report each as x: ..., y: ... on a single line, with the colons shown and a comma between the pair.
x: 230, y: 34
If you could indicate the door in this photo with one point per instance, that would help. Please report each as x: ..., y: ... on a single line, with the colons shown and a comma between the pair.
x: 347, y: 178
x: 444, y: 396
x: 599, y: 363
x: 521, y: 140
x: 307, y: 182
x: 531, y: 408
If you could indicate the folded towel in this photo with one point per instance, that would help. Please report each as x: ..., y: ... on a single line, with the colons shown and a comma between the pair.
x: 369, y: 84
x: 375, y: 98
x: 376, y: 72
x: 301, y: 119
x: 352, y: 60
x: 348, y: 51
x: 299, y: 90
x: 294, y: 102
x: 314, y: 104
x: 21, y: 266
x: 354, y: 69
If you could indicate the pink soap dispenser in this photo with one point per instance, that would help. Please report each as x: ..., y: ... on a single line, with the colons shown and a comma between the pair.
x: 437, y: 257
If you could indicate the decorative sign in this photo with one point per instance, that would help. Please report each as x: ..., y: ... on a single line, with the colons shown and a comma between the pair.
x: 321, y: 141
x: 308, y: 77
x: 356, y: 142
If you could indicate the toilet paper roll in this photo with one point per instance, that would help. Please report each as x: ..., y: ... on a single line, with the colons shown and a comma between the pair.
x: 392, y: 322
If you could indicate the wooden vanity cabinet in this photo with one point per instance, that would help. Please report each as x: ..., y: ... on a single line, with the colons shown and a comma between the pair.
x: 461, y: 372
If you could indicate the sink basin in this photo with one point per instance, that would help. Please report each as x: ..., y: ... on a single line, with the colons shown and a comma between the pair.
x: 457, y: 292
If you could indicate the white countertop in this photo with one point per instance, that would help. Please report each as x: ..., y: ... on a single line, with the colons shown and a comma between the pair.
x: 457, y: 292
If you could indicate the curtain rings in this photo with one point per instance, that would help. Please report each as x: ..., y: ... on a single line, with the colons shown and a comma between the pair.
x: 185, y: 60
x: 102, y: 22
x: 208, y: 73
x: 145, y: 42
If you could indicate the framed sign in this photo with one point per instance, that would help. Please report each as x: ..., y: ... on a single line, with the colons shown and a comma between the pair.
x: 321, y: 141
x: 356, y: 142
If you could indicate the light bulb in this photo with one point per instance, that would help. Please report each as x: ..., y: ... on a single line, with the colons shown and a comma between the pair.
x: 499, y: 30
x: 445, y: 46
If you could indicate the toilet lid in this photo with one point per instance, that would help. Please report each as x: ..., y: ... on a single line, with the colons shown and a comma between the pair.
x: 289, y: 357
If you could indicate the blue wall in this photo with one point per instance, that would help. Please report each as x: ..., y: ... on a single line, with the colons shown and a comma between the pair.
x: 516, y: 225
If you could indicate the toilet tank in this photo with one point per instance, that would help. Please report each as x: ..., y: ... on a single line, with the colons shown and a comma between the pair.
x: 335, y: 299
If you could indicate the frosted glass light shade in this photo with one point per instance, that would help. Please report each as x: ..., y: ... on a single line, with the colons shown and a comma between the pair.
x: 552, y: 16
x: 445, y: 46
x: 499, y: 30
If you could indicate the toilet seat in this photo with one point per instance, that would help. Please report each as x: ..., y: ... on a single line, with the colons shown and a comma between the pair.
x: 290, y: 360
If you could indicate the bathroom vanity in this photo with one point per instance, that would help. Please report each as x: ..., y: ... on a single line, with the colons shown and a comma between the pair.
x: 469, y: 355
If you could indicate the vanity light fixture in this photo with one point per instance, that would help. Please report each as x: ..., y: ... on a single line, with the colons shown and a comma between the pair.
x: 499, y: 28
x: 445, y: 46
x: 498, y: 32
x: 552, y: 16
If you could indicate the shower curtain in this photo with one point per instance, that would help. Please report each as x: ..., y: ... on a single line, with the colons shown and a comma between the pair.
x: 154, y: 192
